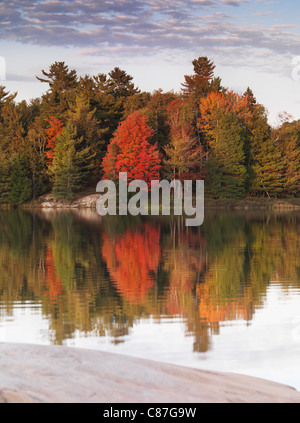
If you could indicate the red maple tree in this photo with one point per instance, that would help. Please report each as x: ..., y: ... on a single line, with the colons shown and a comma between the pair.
x: 55, y: 129
x: 131, y: 152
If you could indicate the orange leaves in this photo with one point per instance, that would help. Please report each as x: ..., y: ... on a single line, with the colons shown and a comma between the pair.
x: 131, y: 258
x: 52, y: 132
x: 227, y: 101
x: 131, y: 152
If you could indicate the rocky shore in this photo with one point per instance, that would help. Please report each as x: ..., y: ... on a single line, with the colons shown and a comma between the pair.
x: 56, y: 374
x: 247, y: 204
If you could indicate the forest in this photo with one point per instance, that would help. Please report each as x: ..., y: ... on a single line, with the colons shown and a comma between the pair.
x: 85, y: 128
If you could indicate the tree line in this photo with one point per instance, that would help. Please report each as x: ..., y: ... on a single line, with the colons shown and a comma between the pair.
x: 89, y: 127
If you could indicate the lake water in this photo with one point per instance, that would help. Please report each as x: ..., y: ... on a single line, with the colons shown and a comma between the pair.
x: 225, y: 296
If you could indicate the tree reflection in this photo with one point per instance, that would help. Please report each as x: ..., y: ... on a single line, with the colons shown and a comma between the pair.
x: 100, y: 277
x: 132, y: 260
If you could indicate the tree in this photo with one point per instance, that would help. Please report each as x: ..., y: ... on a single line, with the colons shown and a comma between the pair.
x: 70, y: 166
x: 287, y: 139
x: 222, y: 120
x: 157, y: 117
x: 82, y: 116
x: 131, y: 152
x: 54, y: 130
x: 4, y: 177
x: 35, y: 144
x: 228, y: 155
x: 268, y: 170
x: 62, y: 85
x: 11, y: 129
x: 197, y: 86
x: 120, y: 83
x: 20, y: 181
x: 184, y: 154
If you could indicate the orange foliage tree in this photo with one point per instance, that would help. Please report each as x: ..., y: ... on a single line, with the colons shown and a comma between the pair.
x: 54, y: 130
x: 228, y: 101
x: 131, y: 152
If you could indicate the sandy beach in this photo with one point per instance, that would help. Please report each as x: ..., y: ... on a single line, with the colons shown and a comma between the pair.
x: 56, y: 374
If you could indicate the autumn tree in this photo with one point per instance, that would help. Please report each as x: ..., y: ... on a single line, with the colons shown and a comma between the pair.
x: 184, y: 153
x: 52, y: 132
x: 131, y: 152
x: 197, y: 86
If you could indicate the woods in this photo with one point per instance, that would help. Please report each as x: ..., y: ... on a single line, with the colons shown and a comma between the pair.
x: 85, y: 128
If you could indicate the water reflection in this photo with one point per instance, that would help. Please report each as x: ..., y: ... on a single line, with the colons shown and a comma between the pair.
x: 101, y: 276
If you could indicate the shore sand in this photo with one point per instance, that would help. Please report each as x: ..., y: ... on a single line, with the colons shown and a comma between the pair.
x: 57, y: 374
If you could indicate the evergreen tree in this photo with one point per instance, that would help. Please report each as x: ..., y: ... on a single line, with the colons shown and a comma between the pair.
x: 287, y: 139
x: 62, y: 88
x: 229, y: 152
x: 35, y: 145
x: 20, y: 182
x: 81, y: 116
x: 71, y: 166
x: 197, y: 86
x: 268, y: 170
x: 157, y: 117
x: 4, y: 177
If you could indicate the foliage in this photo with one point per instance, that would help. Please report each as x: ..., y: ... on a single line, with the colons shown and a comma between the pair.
x: 131, y: 152
x: 20, y: 182
x: 70, y: 164
x: 204, y: 131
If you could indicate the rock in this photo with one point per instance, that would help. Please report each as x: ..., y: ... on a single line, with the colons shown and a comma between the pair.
x: 57, y: 374
x: 47, y: 204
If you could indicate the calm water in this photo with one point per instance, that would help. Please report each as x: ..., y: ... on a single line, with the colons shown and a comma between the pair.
x: 225, y: 296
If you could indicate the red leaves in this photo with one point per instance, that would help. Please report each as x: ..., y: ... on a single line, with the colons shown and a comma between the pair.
x: 131, y: 152
x: 52, y: 132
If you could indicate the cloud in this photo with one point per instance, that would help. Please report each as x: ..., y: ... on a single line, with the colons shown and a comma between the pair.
x: 144, y: 27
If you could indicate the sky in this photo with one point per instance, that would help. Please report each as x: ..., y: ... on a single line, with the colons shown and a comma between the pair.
x: 253, y: 43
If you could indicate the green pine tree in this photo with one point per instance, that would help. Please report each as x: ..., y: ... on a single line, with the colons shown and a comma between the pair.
x: 228, y: 156
x: 268, y: 170
x: 20, y: 182
x: 4, y: 177
x: 70, y: 167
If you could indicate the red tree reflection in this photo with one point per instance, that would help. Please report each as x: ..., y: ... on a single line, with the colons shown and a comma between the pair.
x: 53, y: 281
x: 131, y: 257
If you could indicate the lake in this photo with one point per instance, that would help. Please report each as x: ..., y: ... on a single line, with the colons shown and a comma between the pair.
x: 224, y: 296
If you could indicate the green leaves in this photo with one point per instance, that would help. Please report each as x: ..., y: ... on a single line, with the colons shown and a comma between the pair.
x: 70, y: 165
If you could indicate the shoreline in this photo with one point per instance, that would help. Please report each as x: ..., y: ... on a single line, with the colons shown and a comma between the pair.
x: 59, y: 374
x: 247, y: 204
